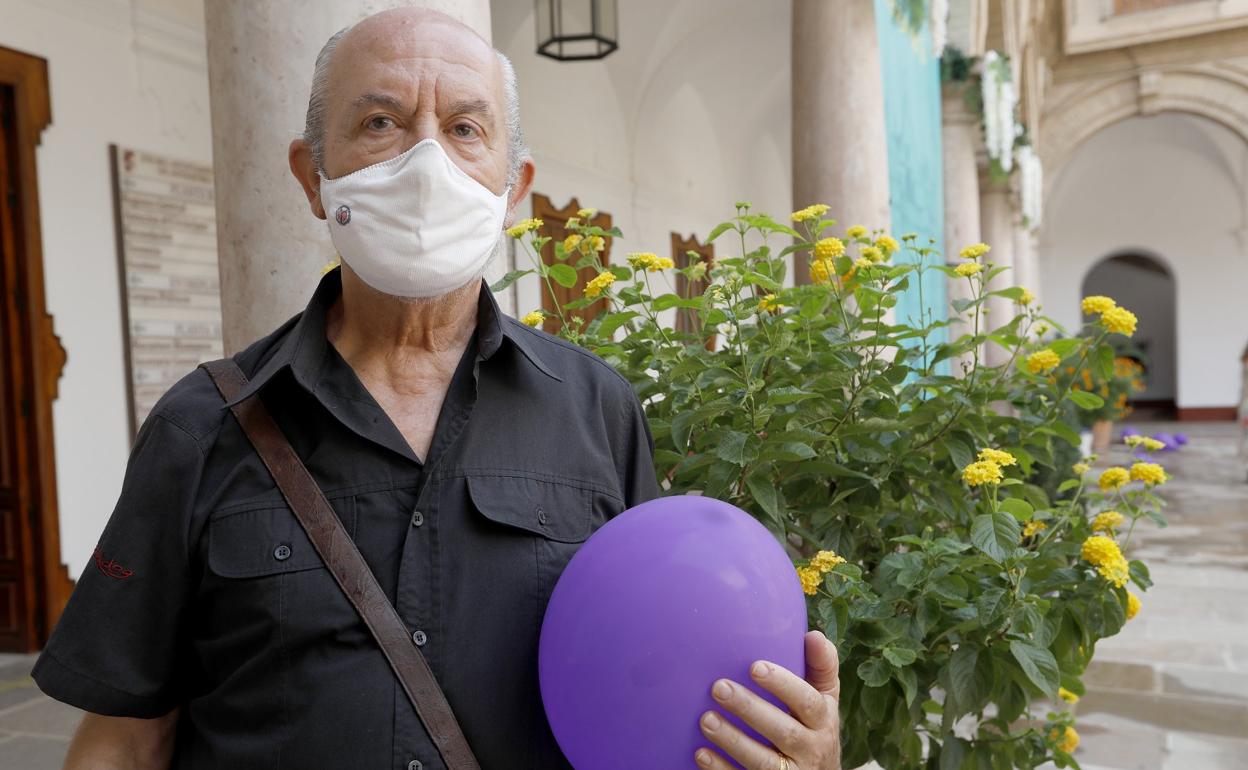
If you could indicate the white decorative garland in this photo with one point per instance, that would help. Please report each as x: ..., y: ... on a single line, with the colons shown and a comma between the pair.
x: 938, y: 21
x: 999, y: 101
x: 1031, y: 185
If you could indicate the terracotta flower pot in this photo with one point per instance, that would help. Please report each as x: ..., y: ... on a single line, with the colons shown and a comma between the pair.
x: 1102, y: 431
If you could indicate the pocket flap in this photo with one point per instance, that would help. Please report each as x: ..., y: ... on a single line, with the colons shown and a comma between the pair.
x: 555, y: 511
x: 265, y: 541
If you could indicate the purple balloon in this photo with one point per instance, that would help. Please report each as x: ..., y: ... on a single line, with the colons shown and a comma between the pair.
x: 660, y: 602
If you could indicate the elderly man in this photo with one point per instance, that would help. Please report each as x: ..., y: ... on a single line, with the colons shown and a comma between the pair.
x: 466, y: 455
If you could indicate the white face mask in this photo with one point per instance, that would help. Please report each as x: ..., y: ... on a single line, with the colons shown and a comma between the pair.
x: 415, y: 225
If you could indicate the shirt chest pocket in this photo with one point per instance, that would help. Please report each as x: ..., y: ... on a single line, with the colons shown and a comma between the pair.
x: 267, y: 583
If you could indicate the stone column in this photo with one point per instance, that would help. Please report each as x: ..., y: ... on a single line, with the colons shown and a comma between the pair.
x: 1026, y: 260
x: 840, y: 148
x: 998, y: 222
x: 260, y: 59
x: 960, y: 139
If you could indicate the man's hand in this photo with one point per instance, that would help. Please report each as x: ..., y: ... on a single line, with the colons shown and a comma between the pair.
x: 806, y: 738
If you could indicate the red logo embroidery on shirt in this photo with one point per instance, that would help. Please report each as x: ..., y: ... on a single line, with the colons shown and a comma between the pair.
x: 110, y: 567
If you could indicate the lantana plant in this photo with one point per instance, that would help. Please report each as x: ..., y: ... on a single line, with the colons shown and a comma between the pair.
x: 899, y: 469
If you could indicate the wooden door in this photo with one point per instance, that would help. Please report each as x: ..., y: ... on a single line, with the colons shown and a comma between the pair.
x: 34, y: 584
x: 554, y: 221
x: 14, y: 399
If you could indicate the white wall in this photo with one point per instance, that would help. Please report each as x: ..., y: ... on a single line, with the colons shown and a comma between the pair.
x: 121, y: 72
x: 1171, y: 186
x: 690, y: 115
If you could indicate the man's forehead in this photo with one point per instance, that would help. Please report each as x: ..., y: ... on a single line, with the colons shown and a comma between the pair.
x: 399, y: 46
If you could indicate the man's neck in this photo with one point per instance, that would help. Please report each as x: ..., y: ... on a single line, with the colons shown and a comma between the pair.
x: 399, y: 340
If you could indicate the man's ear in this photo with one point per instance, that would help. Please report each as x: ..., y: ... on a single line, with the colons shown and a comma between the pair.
x: 305, y: 171
x: 520, y: 191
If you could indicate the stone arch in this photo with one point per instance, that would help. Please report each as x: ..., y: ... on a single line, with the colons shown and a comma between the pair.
x: 1217, y: 91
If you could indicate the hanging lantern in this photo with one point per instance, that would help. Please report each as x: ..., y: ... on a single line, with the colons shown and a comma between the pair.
x: 570, y: 30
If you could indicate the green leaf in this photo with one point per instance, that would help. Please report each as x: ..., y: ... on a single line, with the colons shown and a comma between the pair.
x: 765, y: 494
x: 909, y: 682
x: 509, y: 279
x: 732, y: 447
x: 874, y: 672
x: 1019, y: 509
x: 990, y: 604
x: 900, y: 656
x: 788, y: 394
x: 563, y: 274
x: 1065, y: 347
x: 1037, y: 663
x: 1085, y: 400
x: 614, y: 321
x: 720, y: 229
x: 995, y: 534
x: 970, y: 678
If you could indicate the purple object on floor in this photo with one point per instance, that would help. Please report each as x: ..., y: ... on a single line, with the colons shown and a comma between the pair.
x: 1129, y: 432
x: 1180, y: 439
x: 1168, y: 440
x: 660, y: 602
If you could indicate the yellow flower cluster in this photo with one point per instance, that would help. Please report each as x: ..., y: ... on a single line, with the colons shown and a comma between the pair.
x: 645, y: 260
x: 829, y: 248
x: 982, y: 472
x: 821, y: 270
x: 1043, y: 361
x: 597, y: 243
x: 1148, y: 442
x: 1113, y: 478
x: 811, y: 576
x: 587, y: 213
x: 857, y: 231
x: 1033, y: 528
x: 887, y: 245
x: 975, y: 251
x: 524, y: 226
x: 1067, y: 695
x: 572, y: 242
x: 599, y: 284
x: 862, y: 263
x: 872, y: 254
x: 1026, y: 298
x: 1133, y: 605
x: 1149, y: 473
x: 768, y: 304
x: 534, y: 318
x: 967, y: 269
x: 1096, y: 304
x: 810, y: 212
x: 1065, y: 739
x: 1107, y: 521
x: 1080, y: 468
x: 998, y: 456
x: 1103, y: 553
x: 1119, y: 320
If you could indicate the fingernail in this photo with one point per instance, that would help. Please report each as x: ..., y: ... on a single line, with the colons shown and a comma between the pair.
x: 722, y: 690
x: 704, y: 757
x: 760, y: 669
x: 710, y: 720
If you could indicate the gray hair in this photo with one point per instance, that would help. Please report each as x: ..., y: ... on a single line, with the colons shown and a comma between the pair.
x: 314, y: 123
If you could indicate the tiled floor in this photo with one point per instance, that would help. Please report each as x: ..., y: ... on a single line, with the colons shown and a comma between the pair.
x: 1168, y: 693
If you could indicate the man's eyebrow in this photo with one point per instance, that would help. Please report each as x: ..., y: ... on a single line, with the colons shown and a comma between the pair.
x: 469, y: 106
x: 377, y: 100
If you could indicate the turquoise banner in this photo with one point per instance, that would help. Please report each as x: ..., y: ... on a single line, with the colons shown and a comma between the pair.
x: 911, y: 77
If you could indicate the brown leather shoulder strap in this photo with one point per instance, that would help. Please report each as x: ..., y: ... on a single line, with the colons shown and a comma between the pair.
x: 348, y: 567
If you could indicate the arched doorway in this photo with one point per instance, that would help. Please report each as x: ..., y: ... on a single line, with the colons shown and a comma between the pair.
x: 1145, y: 284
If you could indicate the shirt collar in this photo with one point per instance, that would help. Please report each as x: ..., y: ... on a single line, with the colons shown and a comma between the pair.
x: 303, y: 347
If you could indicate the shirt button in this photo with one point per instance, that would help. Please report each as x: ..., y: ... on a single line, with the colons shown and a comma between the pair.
x: 418, y: 518
x: 420, y: 638
x: 415, y: 765
x: 281, y: 553
x: 541, y: 516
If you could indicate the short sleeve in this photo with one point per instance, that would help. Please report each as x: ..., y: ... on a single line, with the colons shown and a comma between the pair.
x: 637, y: 478
x: 118, y: 645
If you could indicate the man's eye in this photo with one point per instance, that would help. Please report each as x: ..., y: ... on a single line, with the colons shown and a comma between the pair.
x: 380, y: 123
x: 464, y: 130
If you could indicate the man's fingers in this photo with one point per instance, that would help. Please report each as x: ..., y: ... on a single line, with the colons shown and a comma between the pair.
x: 783, y: 730
x: 807, y: 704
x: 823, y: 665
x: 748, y: 752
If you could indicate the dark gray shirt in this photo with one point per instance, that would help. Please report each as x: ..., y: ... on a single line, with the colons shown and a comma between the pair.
x: 205, y: 593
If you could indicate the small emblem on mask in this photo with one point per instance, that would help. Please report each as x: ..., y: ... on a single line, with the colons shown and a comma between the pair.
x: 343, y: 215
